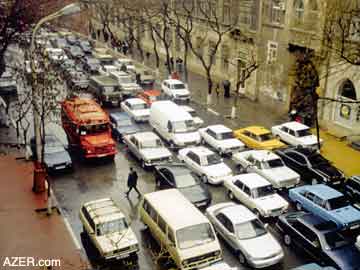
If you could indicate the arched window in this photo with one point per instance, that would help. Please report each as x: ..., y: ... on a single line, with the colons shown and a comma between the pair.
x: 347, y: 90
x: 299, y: 9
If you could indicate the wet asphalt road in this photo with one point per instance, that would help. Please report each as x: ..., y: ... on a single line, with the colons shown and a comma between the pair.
x: 98, y: 179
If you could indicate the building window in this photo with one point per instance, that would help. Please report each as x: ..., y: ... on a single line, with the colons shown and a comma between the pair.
x: 354, y: 29
x: 347, y: 113
x: 272, y: 48
x: 225, y: 58
x: 277, y: 11
x: 348, y: 90
x: 299, y: 9
x: 227, y: 18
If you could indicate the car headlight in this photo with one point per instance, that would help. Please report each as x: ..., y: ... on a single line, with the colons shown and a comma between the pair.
x: 136, y: 246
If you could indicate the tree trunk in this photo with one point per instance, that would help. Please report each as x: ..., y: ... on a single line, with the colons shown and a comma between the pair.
x: 186, y: 73
x: 168, y: 62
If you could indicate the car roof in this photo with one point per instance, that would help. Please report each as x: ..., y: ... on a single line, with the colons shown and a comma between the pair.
x: 302, y: 150
x: 135, y: 101
x: 262, y: 155
x: 201, y: 150
x: 252, y: 180
x: 323, y: 191
x: 295, y: 125
x: 237, y: 213
x: 257, y: 130
x: 173, y: 81
x: 103, y: 210
x: 176, y: 169
x: 219, y: 128
x: 186, y: 214
x: 104, y: 80
x: 119, y: 116
x: 146, y: 136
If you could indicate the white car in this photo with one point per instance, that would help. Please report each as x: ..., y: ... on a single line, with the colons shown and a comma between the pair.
x: 137, y: 109
x: 56, y: 55
x: 108, y: 230
x: 107, y: 69
x: 257, y: 194
x: 130, y: 67
x: 245, y: 234
x: 127, y: 85
x: 268, y: 165
x: 205, y: 163
x: 221, y: 138
x: 148, y: 148
x: 197, y: 120
x: 297, y: 134
x: 176, y: 90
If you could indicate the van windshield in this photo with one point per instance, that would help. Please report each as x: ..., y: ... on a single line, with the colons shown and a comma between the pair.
x: 93, y: 129
x: 183, y: 126
x: 194, y: 236
x: 113, y: 226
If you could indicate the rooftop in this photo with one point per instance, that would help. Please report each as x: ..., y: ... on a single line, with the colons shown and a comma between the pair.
x: 252, y: 180
x: 295, y: 125
x: 103, y: 210
x: 262, y: 155
x: 86, y: 109
x: 257, y: 130
x: 219, y: 128
x: 200, y: 150
x: 322, y: 191
x: 133, y: 101
x: 238, y: 213
x: 146, y: 136
x: 105, y: 80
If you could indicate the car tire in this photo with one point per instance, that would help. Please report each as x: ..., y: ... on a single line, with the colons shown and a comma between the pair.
x: 241, y: 258
x: 231, y: 195
x: 287, y: 240
x: 298, y: 206
x: 314, y: 181
x: 205, y: 179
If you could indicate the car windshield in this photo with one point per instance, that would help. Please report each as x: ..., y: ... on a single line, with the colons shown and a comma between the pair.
x: 225, y: 135
x: 183, y: 126
x: 53, y: 145
x: 178, y: 86
x: 151, y: 143
x: 113, y: 226
x: 337, y: 203
x: 304, y: 132
x: 335, y: 240
x: 317, y: 159
x: 195, y: 235
x: 263, y: 191
x: 186, y: 180
x: 124, y: 123
x: 139, y: 106
x: 273, y: 163
x: 251, y: 229
x: 93, y: 129
x: 265, y: 137
x: 213, y: 159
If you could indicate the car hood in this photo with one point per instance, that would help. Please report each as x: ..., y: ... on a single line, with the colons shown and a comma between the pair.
x: 271, y: 202
x: 55, y: 158
x: 127, y: 129
x: 218, y: 170
x: 142, y: 112
x: 308, y: 140
x: 328, y: 170
x: 280, y: 174
x: 98, y: 140
x: 181, y: 92
x: 188, y: 136
x: 155, y: 153
x: 272, y: 144
x: 264, y: 246
x: 347, y: 257
x: 229, y: 143
x: 195, y: 193
x: 346, y: 215
x: 113, y: 241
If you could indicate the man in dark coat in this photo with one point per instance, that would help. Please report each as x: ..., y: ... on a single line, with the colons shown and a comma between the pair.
x: 132, y: 182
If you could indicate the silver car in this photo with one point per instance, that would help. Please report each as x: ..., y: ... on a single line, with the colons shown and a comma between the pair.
x: 246, y: 234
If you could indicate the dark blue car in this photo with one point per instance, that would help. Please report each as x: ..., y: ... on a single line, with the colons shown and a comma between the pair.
x: 121, y: 124
x: 321, y: 239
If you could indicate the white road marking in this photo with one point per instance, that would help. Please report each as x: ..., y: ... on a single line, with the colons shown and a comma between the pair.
x: 214, y: 112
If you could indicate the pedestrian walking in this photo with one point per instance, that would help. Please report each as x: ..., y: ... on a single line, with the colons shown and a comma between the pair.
x: 132, y: 182
x: 217, y: 90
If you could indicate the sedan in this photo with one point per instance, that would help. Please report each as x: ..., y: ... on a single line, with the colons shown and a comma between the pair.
x: 245, y: 234
x: 121, y: 124
x: 180, y: 177
x: 137, y: 109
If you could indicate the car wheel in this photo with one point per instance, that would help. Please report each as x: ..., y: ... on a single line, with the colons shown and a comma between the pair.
x: 204, y: 179
x: 298, y: 206
x: 241, y: 258
x: 287, y: 239
x: 314, y: 181
x: 231, y: 195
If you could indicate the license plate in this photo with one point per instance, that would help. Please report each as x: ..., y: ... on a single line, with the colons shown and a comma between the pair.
x: 122, y: 256
x: 60, y: 167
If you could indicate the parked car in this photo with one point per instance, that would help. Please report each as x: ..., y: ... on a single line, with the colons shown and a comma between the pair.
x: 313, y: 266
x: 146, y: 77
x: 221, y: 138
x: 129, y: 88
x: 176, y: 90
x: 197, y: 120
x: 105, y: 89
x: 180, y: 177
x: 311, y: 166
x: 77, y: 80
x: 148, y: 148
x: 85, y: 46
x: 352, y: 188
x: 257, y: 194
x: 245, y: 234
x: 320, y: 239
x: 137, y: 109
x: 268, y: 165
x: 56, y: 56
x: 127, y: 62
x: 74, y: 52
x: 122, y: 124
x: 92, y: 65
x: 295, y: 133
x: 327, y: 203
x: 205, y: 163
x: 106, y: 69
x: 71, y: 39
x: 258, y: 138
x: 150, y: 96
x: 108, y: 230
x: 56, y: 157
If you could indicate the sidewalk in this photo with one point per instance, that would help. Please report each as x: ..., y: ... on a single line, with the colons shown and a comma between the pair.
x: 25, y: 232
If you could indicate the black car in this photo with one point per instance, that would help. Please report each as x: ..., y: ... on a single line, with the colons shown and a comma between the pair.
x: 122, y: 124
x: 311, y: 166
x: 180, y: 177
x: 320, y: 239
x: 352, y: 188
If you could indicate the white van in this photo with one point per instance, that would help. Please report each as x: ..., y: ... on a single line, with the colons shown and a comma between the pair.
x: 180, y: 229
x: 174, y: 124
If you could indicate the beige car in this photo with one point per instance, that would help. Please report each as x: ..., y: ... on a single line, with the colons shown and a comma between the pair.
x: 108, y: 230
